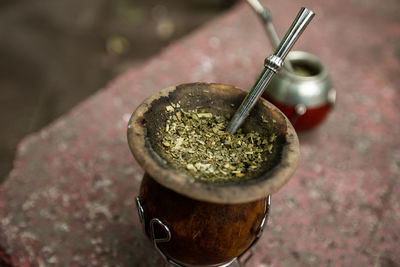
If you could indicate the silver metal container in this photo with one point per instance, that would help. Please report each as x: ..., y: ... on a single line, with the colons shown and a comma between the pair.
x: 306, y: 95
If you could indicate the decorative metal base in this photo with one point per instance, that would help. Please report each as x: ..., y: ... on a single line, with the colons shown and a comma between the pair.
x: 172, y: 262
x: 240, y: 261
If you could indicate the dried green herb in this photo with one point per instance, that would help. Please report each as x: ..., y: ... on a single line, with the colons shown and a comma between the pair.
x: 196, y: 142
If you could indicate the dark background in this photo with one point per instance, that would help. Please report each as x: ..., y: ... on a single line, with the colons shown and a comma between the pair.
x: 55, y: 53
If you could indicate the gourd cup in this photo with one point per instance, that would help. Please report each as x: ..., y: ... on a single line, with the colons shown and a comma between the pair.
x: 200, y: 223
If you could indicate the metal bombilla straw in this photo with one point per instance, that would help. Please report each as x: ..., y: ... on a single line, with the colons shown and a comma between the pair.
x: 266, y: 18
x: 273, y: 64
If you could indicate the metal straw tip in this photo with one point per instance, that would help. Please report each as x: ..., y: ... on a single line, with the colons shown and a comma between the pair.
x: 306, y: 14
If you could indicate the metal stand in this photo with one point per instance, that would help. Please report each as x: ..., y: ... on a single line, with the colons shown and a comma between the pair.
x: 240, y: 261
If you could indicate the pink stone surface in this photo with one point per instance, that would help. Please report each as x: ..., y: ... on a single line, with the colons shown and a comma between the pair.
x: 69, y: 200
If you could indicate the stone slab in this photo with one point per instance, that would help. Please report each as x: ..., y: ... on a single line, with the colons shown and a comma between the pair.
x: 69, y: 200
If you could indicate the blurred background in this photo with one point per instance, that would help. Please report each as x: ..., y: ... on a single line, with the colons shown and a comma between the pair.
x: 54, y: 54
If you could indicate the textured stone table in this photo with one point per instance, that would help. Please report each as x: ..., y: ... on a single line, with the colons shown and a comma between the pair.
x: 69, y: 200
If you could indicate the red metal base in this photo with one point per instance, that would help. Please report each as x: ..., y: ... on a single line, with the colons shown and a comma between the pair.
x: 310, y: 119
